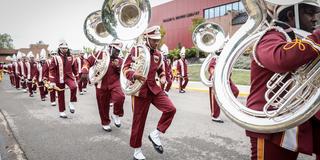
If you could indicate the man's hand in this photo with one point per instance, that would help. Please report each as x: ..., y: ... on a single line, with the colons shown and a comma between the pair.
x: 139, y: 77
x: 163, y: 80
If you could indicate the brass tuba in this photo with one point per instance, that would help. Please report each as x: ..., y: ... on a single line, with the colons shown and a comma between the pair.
x: 300, y: 102
x: 96, y: 33
x: 127, y: 20
x: 208, y: 37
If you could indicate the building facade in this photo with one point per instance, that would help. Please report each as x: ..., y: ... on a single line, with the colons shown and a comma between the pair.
x: 176, y: 18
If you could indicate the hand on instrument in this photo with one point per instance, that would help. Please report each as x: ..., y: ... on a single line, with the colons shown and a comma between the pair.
x: 163, y: 80
x: 139, y: 78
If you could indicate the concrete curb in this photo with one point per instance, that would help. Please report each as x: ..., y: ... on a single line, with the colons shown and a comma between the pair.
x: 241, y: 94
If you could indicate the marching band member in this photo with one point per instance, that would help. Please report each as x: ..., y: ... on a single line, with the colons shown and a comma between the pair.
x: 215, y: 109
x: 22, y: 72
x: 108, y: 89
x: 82, y: 82
x: 167, y: 66
x: 42, y: 73
x: 150, y: 93
x: 10, y: 70
x: 16, y: 70
x: 62, y: 71
x: 1, y: 70
x: 280, y: 51
x: 182, y: 67
x: 31, y: 68
x: 52, y: 92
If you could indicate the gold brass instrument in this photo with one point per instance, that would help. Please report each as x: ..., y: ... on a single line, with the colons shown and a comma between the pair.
x: 127, y: 20
x: 301, y: 100
x: 50, y: 88
x: 208, y: 37
x: 96, y: 32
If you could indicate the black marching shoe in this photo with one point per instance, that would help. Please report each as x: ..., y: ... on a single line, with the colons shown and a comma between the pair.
x: 158, y: 148
x: 107, y: 128
x: 217, y: 120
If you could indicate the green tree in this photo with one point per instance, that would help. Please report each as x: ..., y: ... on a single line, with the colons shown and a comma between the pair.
x: 163, y: 33
x: 6, y: 41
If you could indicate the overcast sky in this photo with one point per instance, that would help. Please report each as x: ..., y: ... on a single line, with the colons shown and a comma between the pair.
x: 29, y: 21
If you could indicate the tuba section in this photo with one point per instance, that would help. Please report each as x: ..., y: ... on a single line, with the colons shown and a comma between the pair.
x: 96, y: 33
x: 299, y: 104
x: 208, y: 37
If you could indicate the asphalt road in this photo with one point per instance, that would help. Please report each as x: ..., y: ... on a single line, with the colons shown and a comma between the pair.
x: 42, y: 135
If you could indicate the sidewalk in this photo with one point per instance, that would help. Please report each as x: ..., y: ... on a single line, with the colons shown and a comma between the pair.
x: 200, y: 87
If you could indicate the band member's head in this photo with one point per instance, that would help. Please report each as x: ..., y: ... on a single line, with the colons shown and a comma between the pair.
x: 183, y: 53
x: 164, y: 50
x: 81, y: 54
x: 43, y: 56
x: 152, y: 36
x: 23, y: 57
x: 115, y: 49
x: 63, y: 49
x: 30, y: 57
x: 307, y: 15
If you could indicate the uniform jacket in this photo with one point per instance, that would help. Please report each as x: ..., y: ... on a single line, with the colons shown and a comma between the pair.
x: 112, y: 77
x: 182, y: 67
x: 62, y: 67
x: 277, y: 55
x: 156, y: 67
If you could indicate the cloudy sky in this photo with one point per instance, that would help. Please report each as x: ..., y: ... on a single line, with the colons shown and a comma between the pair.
x: 29, y: 21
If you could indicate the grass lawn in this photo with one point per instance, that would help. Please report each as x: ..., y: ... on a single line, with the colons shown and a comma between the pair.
x: 240, y: 77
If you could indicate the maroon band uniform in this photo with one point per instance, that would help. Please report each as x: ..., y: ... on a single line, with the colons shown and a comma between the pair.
x: 149, y: 93
x: 63, y: 71
x: 108, y: 89
x: 182, y: 67
x: 276, y: 54
x: 215, y: 109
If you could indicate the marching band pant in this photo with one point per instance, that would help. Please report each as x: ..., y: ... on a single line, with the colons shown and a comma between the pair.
x: 42, y: 91
x: 265, y: 149
x: 17, y: 78
x: 104, y: 97
x: 29, y: 84
x: 183, y: 81
x: 53, y: 96
x: 73, y: 89
x: 262, y: 149
x: 23, y: 83
x: 12, y: 80
x: 82, y: 83
x: 214, y: 107
x: 140, y: 107
x: 166, y: 87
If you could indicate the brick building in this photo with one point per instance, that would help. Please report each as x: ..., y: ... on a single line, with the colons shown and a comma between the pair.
x: 6, y: 52
x: 176, y: 18
x: 35, y: 48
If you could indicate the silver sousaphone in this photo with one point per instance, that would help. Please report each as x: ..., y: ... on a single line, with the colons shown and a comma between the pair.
x: 293, y: 101
x: 208, y: 37
x: 127, y: 20
x: 96, y: 33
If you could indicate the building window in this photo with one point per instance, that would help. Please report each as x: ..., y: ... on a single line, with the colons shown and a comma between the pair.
x: 216, y: 12
x: 211, y: 15
x: 206, y: 14
x: 235, y: 6
x: 221, y: 10
x: 229, y: 7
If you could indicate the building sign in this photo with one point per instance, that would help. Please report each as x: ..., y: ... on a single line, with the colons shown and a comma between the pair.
x: 181, y: 16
